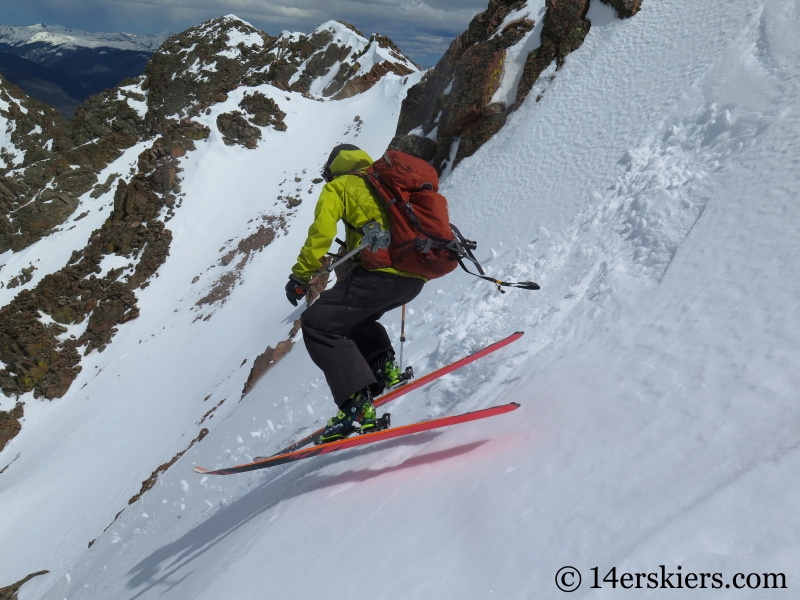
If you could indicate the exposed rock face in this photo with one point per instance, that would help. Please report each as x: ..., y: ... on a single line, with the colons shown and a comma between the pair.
x: 148, y: 483
x: 361, y: 83
x: 565, y: 28
x: 200, y: 66
x: 456, y: 100
x: 245, y: 249
x: 49, y: 150
x: 35, y: 134
x: 10, y: 592
x: 9, y: 424
x: 37, y: 358
x: 625, y: 8
x: 262, y: 111
x: 354, y: 78
x: 422, y: 147
x: 469, y: 72
x: 203, y: 64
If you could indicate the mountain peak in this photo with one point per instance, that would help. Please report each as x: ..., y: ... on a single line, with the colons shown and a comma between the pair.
x: 57, y: 35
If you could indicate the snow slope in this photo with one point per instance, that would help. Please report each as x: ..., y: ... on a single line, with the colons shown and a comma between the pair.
x: 652, y: 192
x: 107, y: 403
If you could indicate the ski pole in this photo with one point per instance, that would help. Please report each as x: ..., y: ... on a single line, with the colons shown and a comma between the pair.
x: 402, y: 335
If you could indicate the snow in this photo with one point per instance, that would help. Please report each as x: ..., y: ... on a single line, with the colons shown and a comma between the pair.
x: 6, y: 403
x: 140, y: 106
x: 376, y: 54
x: 237, y: 36
x: 17, y: 155
x: 651, y: 191
x: 319, y: 84
x: 342, y: 35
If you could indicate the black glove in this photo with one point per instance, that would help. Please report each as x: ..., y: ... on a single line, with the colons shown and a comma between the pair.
x: 295, y: 289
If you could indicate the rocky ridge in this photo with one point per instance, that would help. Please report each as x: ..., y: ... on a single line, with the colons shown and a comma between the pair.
x: 334, y: 61
x: 202, y: 65
x: 467, y: 97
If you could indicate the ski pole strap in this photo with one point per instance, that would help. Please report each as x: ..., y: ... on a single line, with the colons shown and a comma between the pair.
x: 463, y: 248
x: 524, y: 285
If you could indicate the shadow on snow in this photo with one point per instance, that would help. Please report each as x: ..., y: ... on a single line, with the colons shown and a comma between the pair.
x: 165, y: 562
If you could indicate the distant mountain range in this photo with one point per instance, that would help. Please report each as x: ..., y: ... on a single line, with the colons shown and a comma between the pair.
x: 63, y: 67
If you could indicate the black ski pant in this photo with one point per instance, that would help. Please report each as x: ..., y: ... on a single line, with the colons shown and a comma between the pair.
x: 341, y: 329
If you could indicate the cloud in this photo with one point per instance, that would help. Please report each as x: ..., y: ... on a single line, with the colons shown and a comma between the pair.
x: 422, y: 28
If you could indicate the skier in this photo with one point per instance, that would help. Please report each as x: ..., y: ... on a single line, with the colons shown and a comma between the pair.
x: 341, y: 329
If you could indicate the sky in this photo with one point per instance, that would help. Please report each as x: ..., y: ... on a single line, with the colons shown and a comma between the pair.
x: 422, y: 28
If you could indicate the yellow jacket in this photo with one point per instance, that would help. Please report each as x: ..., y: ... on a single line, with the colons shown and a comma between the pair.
x: 349, y: 198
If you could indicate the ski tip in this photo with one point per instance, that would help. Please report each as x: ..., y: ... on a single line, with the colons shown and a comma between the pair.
x: 201, y: 470
x: 515, y: 404
x: 519, y: 333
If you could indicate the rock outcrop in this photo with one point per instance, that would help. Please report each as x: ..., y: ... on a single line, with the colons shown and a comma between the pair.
x: 236, y: 130
x: 55, y: 162
x: 9, y: 424
x: 10, y: 592
x: 467, y: 97
x: 263, y: 111
x: 625, y: 8
x: 267, y: 359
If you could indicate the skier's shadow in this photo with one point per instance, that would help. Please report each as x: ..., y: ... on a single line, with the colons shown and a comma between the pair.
x: 161, y: 565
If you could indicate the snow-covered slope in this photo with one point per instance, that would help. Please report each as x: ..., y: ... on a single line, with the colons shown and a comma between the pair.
x: 651, y: 191
x: 233, y: 191
x: 56, y: 35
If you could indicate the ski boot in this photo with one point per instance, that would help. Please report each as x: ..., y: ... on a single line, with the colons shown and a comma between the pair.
x: 356, y: 414
x: 388, y: 372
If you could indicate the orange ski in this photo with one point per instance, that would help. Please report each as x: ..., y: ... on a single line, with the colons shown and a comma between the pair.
x: 361, y: 440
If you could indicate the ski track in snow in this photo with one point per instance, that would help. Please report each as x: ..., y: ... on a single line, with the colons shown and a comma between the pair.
x: 651, y: 191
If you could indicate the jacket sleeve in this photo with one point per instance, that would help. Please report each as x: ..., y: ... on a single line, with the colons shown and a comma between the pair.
x: 329, y: 210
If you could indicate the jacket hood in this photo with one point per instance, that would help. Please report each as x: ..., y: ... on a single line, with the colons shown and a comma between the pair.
x: 348, y: 160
